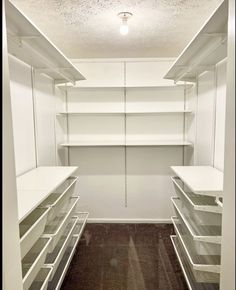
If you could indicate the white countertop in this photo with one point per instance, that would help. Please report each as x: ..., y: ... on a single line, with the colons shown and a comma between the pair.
x: 36, y: 185
x: 204, y: 180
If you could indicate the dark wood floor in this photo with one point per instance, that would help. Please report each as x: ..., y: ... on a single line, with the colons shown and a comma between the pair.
x: 125, y: 257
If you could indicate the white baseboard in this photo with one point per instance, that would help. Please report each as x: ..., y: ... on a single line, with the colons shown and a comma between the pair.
x: 128, y: 221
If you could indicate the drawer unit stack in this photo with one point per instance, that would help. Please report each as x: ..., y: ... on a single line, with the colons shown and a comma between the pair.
x: 50, y: 226
x: 197, y: 224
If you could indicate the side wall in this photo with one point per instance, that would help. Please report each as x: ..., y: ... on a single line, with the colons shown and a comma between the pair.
x: 33, y: 113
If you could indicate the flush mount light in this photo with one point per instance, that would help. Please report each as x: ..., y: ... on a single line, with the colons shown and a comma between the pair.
x: 124, y: 16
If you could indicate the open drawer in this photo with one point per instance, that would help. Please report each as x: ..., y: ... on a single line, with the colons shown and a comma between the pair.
x: 59, y: 199
x: 195, y: 201
x: 188, y: 274
x: 198, y: 216
x: 205, y: 268
x: 57, y: 226
x: 31, y: 228
x: 61, y: 259
x: 198, y: 232
x: 53, y: 259
x: 42, y: 279
x: 34, y: 260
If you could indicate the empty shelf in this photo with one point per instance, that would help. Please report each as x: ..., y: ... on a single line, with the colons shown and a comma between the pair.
x: 29, y: 44
x: 127, y: 113
x: 205, y: 50
x: 81, y: 86
x: 189, y: 277
x: 202, y: 180
x: 128, y: 143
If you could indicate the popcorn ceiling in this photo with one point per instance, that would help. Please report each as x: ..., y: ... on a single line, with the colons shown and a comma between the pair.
x: 90, y: 28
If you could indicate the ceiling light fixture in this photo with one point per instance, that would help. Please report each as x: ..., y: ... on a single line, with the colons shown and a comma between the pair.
x: 124, y: 16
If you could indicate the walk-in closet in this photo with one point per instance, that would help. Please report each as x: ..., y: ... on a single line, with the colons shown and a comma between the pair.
x: 118, y: 145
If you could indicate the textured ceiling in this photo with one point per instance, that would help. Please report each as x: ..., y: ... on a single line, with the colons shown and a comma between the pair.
x: 90, y: 28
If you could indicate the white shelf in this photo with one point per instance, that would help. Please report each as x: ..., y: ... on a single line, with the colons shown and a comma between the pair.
x: 207, y: 48
x: 80, y: 86
x: 127, y: 113
x: 202, y: 180
x: 29, y: 44
x: 128, y: 143
x: 36, y: 185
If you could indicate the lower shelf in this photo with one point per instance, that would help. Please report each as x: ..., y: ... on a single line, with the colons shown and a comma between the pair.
x: 62, y: 267
x: 189, y: 277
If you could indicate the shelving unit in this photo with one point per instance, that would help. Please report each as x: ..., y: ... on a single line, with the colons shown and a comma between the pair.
x: 207, y: 48
x: 198, y: 224
x: 47, y: 205
x: 29, y: 44
x: 125, y: 111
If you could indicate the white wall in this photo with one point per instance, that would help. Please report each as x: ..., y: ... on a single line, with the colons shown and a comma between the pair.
x: 45, y: 108
x: 220, y: 115
x: 33, y: 113
x: 210, y: 117
x: 227, y: 279
x: 12, y: 273
x: 23, y: 115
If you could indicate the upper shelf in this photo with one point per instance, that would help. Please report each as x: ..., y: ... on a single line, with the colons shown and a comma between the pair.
x: 207, y: 48
x: 34, y: 186
x: 80, y: 86
x: 128, y: 143
x: 202, y: 180
x: 29, y: 44
x: 121, y: 113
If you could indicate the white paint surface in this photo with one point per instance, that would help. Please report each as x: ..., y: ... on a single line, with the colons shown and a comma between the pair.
x: 147, y: 73
x: 220, y: 115
x: 101, y: 74
x: 90, y: 28
x: 45, y: 106
x: 22, y: 115
x: 227, y: 280
x: 205, y: 119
